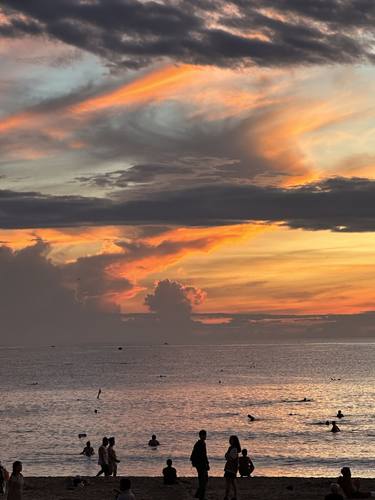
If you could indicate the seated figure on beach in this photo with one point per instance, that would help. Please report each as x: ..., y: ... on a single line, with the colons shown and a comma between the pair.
x: 340, y: 414
x: 125, y: 492
x: 88, y: 450
x: 245, y: 465
x: 169, y: 473
x: 350, y: 486
x: 335, y: 427
x: 153, y: 441
x: 15, y: 483
x: 335, y: 493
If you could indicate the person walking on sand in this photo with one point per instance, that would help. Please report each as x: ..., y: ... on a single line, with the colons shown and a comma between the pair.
x: 112, y: 457
x: 16, y: 482
x: 199, y: 460
x: 103, y: 458
x: 231, y: 467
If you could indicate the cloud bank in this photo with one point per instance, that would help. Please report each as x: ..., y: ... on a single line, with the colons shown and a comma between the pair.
x: 336, y: 204
x: 224, y: 33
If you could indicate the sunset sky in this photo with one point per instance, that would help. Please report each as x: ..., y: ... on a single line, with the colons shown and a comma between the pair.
x: 228, y: 146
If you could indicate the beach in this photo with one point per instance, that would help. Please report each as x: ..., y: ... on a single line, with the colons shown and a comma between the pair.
x: 152, y: 488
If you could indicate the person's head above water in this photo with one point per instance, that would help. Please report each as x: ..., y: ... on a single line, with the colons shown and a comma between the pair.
x: 125, y: 484
x: 202, y: 434
x: 105, y: 441
x: 17, y: 467
x: 244, y: 452
x: 169, y: 462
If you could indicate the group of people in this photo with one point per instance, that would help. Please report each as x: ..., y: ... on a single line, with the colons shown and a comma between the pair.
x: 107, y: 458
x: 234, y: 464
x: 347, y: 487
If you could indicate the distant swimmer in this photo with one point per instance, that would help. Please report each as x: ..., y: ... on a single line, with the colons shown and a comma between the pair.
x: 99, y: 392
x: 335, y: 427
x: 153, y: 441
x: 251, y: 418
x: 95, y: 411
x: 305, y: 400
x: 82, y: 435
x: 339, y: 414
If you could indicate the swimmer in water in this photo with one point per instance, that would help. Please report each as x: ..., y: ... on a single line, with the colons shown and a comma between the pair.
x: 339, y: 414
x: 335, y: 427
x: 251, y: 418
x: 99, y: 392
x: 153, y: 441
x: 88, y: 450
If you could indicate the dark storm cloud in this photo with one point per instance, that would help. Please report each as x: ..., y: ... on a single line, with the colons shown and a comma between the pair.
x: 338, y: 204
x: 135, y: 33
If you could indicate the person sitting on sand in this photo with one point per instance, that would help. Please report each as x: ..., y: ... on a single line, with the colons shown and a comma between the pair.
x: 112, y: 457
x: 125, y: 492
x: 169, y: 473
x: 16, y: 482
x: 349, y: 486
x: 153, y: 441
x: 335, y: 493
x: 339, y: 414
x: 88, y: 450
x: 245, y: 465
x: 335, y: 427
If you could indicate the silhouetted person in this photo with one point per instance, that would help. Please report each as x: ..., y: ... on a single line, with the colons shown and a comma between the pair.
x: 199, y: 460
x: 153, y: 441
x: 112, y: 457
x: 231, y: 466
x: 4, y: 478
x: 335, y: 493
x: 349, y: 486
x: 125, y: 492
x: 103, y: 458
x: 169, y: 473
x: 99, y: 392
x: 245, y: 465
x: 88, y: 450
x: 335, y: 427
x: 339, y: 414
x: 251, y: 418
x: 15, y: 483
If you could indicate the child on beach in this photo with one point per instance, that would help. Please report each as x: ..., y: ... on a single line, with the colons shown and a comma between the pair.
x: 231, y: 467
x: 245, y: 465
x: 169, y: 473
x: 125, y: 492
x: 15, y: 483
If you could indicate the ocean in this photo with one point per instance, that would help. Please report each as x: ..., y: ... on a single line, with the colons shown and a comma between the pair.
x: 49, y: 396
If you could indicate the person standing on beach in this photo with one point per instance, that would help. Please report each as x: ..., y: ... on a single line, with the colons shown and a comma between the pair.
x: 15, y: 483
x: 4, y: 478
x: 112, y: 457
x: 199, y: 460
x: 103, y: 458
x: 231, y: 467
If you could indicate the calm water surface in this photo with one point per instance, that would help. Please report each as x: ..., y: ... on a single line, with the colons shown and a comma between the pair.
x: 48, y: 396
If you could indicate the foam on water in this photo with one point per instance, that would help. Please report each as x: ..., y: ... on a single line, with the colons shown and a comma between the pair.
x: 48, y: 397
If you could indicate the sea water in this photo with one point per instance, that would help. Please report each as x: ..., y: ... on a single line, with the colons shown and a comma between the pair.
x: 49, y: 396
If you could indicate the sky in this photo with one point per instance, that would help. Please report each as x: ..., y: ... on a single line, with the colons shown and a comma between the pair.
x: 205, y: 167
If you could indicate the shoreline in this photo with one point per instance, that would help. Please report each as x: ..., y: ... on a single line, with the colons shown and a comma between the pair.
x: 152, y: 488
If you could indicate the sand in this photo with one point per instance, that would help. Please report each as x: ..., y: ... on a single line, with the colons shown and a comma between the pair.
x: 151, y: 488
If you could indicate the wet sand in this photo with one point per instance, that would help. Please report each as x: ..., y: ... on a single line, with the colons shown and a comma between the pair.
x: 152, y: 488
